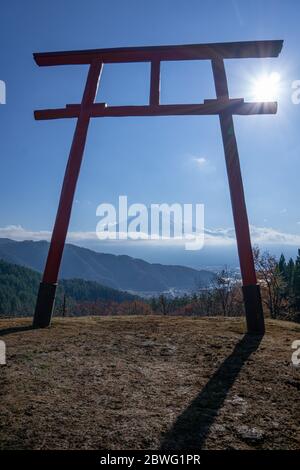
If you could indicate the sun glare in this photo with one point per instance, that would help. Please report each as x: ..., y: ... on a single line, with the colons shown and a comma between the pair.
x: 266, y: 87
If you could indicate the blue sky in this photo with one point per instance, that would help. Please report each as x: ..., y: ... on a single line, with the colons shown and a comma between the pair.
x: 152, y: 160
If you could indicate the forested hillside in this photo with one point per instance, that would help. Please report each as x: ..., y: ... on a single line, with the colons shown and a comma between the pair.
x: 19, y: 286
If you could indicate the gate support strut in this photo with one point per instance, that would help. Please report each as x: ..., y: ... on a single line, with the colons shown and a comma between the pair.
x: 251, y: 290
x: 46, y: 295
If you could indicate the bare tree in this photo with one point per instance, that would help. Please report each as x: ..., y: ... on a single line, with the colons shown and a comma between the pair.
x: 163, y: 304
x: 64, y: 306
x: 226, y: 289
x: 207, y: 302
x: 270, y: 279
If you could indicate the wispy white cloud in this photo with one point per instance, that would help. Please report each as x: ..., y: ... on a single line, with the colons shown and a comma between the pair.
x: 202, y: 163
x: 271, y: 236
x: 213, y: 237
x: 17, y: 232
x: 259, y: 235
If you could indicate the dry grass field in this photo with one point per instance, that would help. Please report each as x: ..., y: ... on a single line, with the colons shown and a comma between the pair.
x: 148, y: 383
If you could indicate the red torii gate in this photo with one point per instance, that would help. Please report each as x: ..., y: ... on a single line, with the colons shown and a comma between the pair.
x: 223, y: 106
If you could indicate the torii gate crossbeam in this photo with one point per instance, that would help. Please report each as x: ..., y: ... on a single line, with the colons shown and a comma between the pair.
x: 222, y: 106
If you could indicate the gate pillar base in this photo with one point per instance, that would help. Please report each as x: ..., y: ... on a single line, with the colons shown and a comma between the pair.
x: 44, y: 305
x: 253, y: 308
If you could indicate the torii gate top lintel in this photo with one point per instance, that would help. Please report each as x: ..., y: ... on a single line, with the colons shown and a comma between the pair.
x: 223, y: 50
x: 223, y: 106
x: 216, y: 52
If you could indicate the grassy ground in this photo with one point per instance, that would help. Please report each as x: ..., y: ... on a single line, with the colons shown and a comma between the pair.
x: 148, y: 383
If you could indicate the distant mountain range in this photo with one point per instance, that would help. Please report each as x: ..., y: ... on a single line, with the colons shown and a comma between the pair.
x: 116, y: 271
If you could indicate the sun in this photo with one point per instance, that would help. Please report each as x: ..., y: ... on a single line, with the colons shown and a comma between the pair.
x: 266, y: 87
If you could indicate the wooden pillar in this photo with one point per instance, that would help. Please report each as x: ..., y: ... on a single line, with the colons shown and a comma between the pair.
x: 251, y: 290
x: 155, y: 83
x: 47, y: 289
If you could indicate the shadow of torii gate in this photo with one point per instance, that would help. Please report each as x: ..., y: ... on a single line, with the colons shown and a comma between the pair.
x: 223, y: 106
